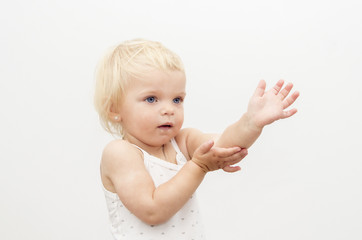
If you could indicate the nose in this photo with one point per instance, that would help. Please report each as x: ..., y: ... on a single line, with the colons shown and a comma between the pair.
x: 167, y: 109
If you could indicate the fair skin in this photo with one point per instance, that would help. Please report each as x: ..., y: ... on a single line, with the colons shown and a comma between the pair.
x: 151, y: 114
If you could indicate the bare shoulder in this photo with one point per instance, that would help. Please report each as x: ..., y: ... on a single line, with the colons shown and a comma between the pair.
x: 181, y: 140
x: 189, y: 139
x: 117, y: 157
x: 117, y: 151
x: 187, y: 133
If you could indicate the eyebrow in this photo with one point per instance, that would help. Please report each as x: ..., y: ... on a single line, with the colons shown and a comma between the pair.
x: 155, y: 92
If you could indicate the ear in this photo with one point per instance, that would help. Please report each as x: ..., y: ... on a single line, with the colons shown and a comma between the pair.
x: 114, y: 114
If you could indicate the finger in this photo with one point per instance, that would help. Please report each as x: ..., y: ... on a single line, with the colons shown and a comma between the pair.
x: 205, y: 147
x: 277, y: 86
x: 240, y: 155
x: 290, y: 100
x: 236, y: 157
x: 233, y: 162
x: 260, y: 89
x: 231, y: 169
x: 225, y: 152
x: 289, y: 113
x: 284, y: 93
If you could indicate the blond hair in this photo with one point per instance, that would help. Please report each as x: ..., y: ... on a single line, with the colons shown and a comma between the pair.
x: 122, y: 63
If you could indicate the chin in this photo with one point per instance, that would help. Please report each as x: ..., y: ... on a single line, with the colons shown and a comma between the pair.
x: 165, y: 139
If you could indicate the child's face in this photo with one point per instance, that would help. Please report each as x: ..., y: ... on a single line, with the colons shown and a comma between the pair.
x: 152, y: 108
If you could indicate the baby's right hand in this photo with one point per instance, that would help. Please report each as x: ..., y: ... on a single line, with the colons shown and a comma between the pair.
x: 210, y: 158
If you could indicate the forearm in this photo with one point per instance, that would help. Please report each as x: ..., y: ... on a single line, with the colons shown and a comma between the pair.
x: 242, y: 134
x: 168, y: 198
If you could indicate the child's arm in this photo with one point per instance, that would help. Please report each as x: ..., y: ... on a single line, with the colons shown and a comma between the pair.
x: 123, y: 172
x: 264, y: 108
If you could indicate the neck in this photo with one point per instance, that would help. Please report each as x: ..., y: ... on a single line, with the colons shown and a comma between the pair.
x: 164, y: 153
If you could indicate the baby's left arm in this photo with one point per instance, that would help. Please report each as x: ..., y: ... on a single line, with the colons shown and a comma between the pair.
x: 265, y: 107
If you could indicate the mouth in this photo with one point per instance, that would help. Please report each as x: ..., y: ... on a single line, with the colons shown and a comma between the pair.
x: 165, y: 126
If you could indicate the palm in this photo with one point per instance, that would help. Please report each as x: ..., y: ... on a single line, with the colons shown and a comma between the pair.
x: 266, y: 107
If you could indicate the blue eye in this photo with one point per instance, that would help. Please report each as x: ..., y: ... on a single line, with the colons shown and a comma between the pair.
x: 151, y: 99
x: 177, y: 100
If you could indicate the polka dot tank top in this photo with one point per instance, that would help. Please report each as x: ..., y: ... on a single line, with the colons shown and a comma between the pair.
x: 185, y: 224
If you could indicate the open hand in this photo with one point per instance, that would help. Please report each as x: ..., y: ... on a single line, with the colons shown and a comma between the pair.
x: 210, y: 158
x: 266, y: 107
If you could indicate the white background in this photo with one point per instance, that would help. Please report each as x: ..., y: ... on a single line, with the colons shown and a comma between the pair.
x: 302, y: 178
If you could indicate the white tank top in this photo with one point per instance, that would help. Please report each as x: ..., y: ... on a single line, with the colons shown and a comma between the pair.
x: 185, y: 224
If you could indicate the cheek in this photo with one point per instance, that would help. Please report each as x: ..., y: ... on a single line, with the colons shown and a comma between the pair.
x: 135, y: 116
x: 146, y: 116
x: 182, y: 112
x: 180, y: 116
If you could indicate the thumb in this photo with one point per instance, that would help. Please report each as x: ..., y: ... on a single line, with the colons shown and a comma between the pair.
x: 205, y: 147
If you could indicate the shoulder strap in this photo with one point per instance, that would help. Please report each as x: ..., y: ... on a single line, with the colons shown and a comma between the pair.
x: 175, y: 146
x: 146, y: 156
x: 139, y: 148
x: 180, y: 158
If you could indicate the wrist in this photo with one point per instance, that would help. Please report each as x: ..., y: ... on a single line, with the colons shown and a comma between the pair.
x: 250, y: 123
x: 202, y: 168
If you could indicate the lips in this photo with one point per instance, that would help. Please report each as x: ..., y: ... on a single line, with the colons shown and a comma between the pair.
x: 166, y: 126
